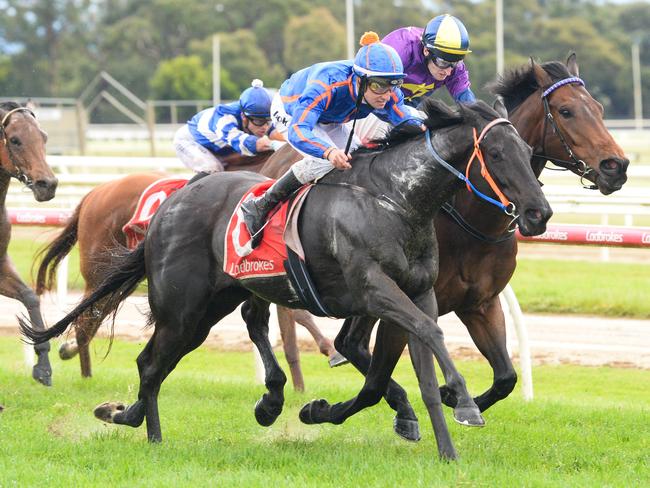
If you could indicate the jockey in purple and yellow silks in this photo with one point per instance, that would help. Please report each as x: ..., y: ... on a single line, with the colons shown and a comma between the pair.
x: 312, y: 107
x: 433, y: 58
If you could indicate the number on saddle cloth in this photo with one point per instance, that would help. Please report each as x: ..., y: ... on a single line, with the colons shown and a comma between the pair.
x: 279, y: 252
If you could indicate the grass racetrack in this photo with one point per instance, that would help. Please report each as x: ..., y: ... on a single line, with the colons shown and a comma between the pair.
x: 586, y: 427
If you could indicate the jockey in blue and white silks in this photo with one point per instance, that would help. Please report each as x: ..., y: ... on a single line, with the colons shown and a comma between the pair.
x: 238, y: 127
x: 312, y: 107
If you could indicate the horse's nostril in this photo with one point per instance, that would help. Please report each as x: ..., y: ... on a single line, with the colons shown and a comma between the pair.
x: 534, y: 215
x: 45, y: 184
x: 610, y: 166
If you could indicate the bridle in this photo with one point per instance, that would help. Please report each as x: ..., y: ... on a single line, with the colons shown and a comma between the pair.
x: 575, y: 165
x: 19, y: 174
x: 503, y: 203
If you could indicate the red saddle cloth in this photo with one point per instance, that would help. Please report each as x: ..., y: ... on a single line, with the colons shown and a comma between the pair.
x: 267, y: 259
x: 151, y: 198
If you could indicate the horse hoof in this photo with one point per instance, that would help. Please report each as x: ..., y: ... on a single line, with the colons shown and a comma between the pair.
x: 314, y: 412
x: 263, y: 416
x: 448, y: 397
x: 407, y: 429
x: 43, y: 376
x: 337, y: 359
x: 469, y: 416
x: 107, y: 411
x: 68, y: 350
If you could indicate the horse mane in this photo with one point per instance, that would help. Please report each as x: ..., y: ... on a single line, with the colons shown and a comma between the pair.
x: 518, y: 84
x: 439, y: 116
x: 9, y: 105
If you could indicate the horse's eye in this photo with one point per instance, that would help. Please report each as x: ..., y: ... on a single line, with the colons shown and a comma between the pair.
x: 15, y: 141
x: 566, y: 113
x: 495, y: 155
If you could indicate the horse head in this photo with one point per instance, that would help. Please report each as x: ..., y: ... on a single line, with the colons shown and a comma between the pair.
x: 555, y: 113
x: 499, y: 157
x: 22, y: 151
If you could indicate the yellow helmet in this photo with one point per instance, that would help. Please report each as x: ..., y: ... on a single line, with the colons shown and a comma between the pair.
x: 446, y: 37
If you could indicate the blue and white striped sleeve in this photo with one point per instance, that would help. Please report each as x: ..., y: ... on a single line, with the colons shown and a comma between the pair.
x: 227, y: 133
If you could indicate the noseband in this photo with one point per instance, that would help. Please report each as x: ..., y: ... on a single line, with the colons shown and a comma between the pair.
x: 503, y: 203
x: 19, y: 174
x: 577, y: 166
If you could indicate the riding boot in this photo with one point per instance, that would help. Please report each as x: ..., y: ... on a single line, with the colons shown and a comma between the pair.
x: 256, y: 209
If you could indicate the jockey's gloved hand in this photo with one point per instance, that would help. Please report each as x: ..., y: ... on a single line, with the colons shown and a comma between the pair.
x: 275, y: 145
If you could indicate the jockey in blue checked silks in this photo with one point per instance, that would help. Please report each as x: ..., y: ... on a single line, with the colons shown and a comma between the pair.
x: 312, y: 108
x: 240, y: 127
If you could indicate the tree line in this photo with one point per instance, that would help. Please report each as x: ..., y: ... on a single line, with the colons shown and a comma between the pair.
x: 162, y: 49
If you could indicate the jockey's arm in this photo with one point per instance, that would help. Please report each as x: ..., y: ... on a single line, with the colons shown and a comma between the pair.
x: 303, y: 120
x: 227, y: 132
x: 466, y: 96
x: 398, y: 113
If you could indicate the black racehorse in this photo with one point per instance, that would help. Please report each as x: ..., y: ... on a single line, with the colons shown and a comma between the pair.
x: 554, y: 113
x: 369, y: 240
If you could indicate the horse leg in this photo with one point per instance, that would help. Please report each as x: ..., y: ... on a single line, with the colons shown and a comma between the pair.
x: 85, y: 331
x: 488, y: 330
x: 422, y: 361
x: 419, y: 317
x: 255, y: 312
x: 134, y: 414
x: 290, y: 346
x: 353, y: 341
x: 325, y: 346
x: 13, y: 287
x: 389, y: 345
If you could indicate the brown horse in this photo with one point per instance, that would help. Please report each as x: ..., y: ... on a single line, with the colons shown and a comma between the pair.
x: 477, y: 253
x: 96, y: 226
x: 22, y: 156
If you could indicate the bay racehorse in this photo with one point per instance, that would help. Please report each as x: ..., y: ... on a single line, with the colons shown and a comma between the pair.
x: 96, y: 227
x: 368, y: 236
x: 564, y: 125
x: 22, y: 156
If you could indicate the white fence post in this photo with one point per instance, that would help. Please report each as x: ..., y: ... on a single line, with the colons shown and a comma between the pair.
x: 522, y: 337
x: 62, y: 285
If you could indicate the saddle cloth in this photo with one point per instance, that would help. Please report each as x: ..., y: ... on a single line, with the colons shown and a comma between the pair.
x: 151, y: 198
x: 267, y: 259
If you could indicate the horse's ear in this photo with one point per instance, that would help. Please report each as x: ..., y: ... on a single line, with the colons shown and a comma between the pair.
x: 572, y: 64
x: 541, y: 77
x: 500, y: 107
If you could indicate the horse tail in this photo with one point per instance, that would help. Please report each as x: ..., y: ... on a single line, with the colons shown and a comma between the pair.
x: 51, y: 255
x: 128, y: 270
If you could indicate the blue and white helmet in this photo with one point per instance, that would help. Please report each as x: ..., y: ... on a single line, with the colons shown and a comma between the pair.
x: 377, y: 60
x: 256, y: 101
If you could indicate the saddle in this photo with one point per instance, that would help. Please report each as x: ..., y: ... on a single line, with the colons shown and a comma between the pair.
x: 148, y: 203
x: 279, y: 252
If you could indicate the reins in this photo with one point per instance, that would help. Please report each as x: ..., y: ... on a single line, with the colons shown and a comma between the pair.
x: 576, y: 165
x: 19, y: 174
x: 503, y: 203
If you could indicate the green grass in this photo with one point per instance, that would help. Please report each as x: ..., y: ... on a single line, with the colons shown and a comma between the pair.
x: 581, y: 287
x: 594, y: 288
x: 586, y: 427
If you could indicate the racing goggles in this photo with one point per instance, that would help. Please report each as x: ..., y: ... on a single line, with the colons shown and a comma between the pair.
x: 443, y: 63
x: 259, y: 121
x: 380, y: 86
